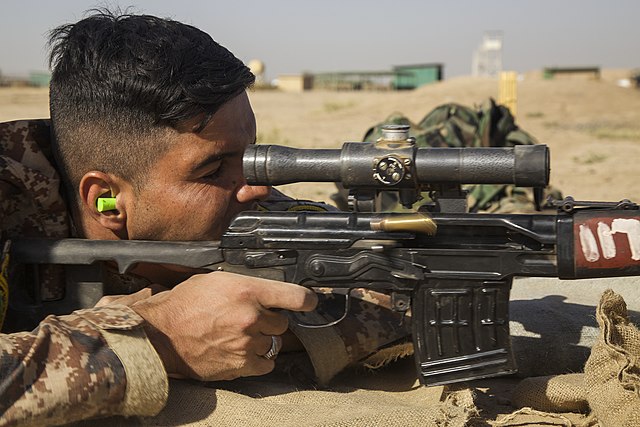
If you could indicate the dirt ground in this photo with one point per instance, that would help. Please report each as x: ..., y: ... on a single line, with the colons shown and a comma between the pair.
x: 592, y: 129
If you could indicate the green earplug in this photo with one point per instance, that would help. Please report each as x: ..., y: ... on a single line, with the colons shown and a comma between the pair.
x: 106, y: 204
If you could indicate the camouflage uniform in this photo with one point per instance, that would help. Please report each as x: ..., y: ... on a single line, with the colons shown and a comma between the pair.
x: 94, y: 362
x: 454, y: 125
x: 98, y: 362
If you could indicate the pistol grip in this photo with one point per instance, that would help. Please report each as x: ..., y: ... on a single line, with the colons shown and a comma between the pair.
x: 461, y: 330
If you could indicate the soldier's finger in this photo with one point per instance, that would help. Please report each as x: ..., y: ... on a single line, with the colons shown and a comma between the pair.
x: 272, y: 323
x: 273, y: 294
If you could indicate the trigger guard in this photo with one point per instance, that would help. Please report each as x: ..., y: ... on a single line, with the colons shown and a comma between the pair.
x: 347, y: 307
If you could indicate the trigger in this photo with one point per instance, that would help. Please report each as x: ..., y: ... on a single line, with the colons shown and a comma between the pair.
x: 347, y: 307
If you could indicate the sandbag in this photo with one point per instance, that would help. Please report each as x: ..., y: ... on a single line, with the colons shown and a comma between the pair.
x: 560, y: 393
x: 612, y: 373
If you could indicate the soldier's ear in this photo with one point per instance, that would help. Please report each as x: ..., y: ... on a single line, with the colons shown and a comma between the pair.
x: 112, y: 215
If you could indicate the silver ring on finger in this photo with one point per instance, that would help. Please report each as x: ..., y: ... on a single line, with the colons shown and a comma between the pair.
x: 274, y: 350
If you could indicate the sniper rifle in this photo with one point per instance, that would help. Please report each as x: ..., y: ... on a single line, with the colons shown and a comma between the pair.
x: 450, y: 269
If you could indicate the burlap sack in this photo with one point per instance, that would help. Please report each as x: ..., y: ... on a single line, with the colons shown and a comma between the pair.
x: 612, y: 372
x: 561, y: 393
x: 610, y: 385
x: 389, y: 397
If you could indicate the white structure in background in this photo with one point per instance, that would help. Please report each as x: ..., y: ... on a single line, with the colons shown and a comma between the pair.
x: 487, y: 59
x: 257, y: 67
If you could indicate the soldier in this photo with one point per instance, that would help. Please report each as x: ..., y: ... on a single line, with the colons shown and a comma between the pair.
x: 152, y: 113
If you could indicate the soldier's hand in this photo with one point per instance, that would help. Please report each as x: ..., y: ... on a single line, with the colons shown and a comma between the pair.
x: 218, y: 326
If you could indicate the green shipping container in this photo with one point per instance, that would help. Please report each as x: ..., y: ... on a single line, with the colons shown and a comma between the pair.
x: 39, y: 78
x: 414, y: 76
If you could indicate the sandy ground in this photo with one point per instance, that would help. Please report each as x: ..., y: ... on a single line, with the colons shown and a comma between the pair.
x: 591, y: 127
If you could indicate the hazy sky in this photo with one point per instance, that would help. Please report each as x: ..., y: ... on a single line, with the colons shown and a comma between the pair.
x: 339, y: 35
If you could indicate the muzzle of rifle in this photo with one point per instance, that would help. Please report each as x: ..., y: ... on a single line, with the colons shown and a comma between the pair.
x: 394, y: 166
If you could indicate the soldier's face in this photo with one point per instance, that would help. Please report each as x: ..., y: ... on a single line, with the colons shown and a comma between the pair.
x: 197, y: 187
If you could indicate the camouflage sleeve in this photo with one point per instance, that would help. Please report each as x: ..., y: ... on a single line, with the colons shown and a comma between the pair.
x: 372, y: 334
x: 94, y: 362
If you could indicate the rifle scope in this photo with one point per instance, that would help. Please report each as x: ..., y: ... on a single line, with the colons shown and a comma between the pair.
x: 390, y: 165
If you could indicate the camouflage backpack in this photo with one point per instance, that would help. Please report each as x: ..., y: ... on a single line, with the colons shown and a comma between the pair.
x: 489, y: 125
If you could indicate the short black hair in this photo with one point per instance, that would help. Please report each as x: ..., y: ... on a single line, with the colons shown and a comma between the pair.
x: 120, y: 81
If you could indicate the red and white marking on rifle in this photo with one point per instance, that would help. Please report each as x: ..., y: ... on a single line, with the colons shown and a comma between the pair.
x: 608, y: 242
